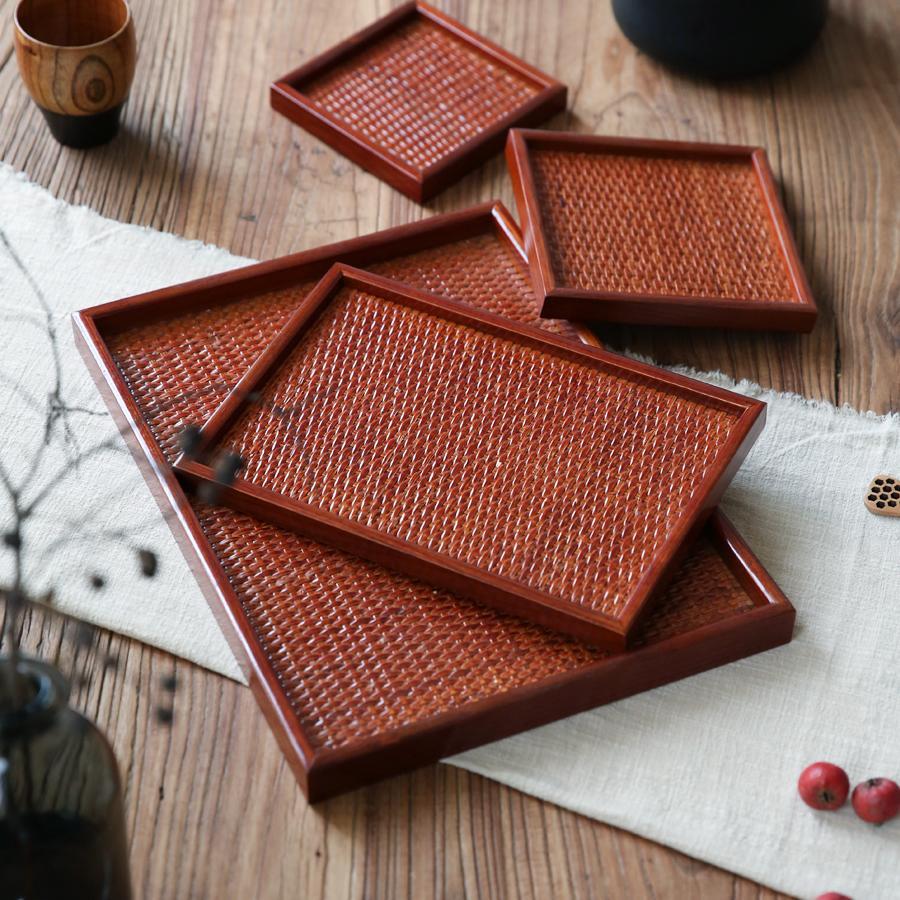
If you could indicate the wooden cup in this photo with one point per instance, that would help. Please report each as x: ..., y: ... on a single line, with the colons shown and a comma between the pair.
x: 77, y: 60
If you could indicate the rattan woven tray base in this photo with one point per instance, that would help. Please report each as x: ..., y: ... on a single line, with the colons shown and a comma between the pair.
x: 363, y: 673
x: 657, y: 232
x: 416, y: 98
x: 489, y: 459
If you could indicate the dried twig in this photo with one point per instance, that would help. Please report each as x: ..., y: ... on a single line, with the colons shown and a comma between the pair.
x: 58, y: 416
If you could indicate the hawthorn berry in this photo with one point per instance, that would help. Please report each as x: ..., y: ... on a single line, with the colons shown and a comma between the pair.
x: 824, y: 786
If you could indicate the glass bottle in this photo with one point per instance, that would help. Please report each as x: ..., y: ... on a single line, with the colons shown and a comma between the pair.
x: 62, y: 828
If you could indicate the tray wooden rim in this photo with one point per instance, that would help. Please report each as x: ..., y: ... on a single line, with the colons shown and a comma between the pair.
x: 566, y: 302
x: 324, y: 773
x: 769, y: 624
x: 287, y: 98
x: 310, y: 265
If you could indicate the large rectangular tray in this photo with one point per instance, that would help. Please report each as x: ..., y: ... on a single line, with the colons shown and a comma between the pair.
x: 360, y: 672
x: 487, y: 458
x: 416, y: 98
x: 657, y: 232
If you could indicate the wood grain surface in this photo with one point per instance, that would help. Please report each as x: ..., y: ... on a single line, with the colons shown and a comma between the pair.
x: 212, y: 808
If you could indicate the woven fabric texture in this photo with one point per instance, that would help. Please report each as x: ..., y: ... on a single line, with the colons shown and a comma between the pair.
x: 420, y: 92
x: 526, y: 462
x: 181, y: 369
x: 658, y: 226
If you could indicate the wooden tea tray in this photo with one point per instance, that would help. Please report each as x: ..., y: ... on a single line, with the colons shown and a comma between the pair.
x: 657, y: 232
x: 553, y: 481
x: 361, y: 672
x: 416, y: 98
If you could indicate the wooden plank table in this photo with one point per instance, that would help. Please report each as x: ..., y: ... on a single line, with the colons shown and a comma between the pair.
x: 212, y: 809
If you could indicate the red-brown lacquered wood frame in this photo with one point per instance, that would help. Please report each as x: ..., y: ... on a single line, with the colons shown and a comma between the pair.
x: 324, y: 772
x: 418, y: 182
x: 565, y: 301
x: 769, y: 624
x: 444, y: 570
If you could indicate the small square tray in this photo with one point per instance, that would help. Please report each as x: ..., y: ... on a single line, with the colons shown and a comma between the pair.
x: 416, y: 98
x: 362, y: 673
x: 657, y: 233
x: 466, y: 413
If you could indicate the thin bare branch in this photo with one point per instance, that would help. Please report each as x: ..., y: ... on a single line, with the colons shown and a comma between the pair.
x: 57, y: 410
x: 22, y: 318
x: 84, y: 411
x: 28, y: 398
x: 75, y: 535
x: 9, y: 487
x: 59, y: 420
x: 25, y: 273
x: 108, y: 445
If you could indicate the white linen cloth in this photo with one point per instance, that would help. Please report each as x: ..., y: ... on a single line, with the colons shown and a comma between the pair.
x: 707, y: 765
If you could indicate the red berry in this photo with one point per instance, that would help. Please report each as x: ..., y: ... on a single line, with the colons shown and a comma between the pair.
x: 876, y: 800
x: 833, y: 895
x: 823, y: 786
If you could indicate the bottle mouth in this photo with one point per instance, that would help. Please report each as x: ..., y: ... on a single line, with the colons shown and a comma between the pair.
x: 40, y: 692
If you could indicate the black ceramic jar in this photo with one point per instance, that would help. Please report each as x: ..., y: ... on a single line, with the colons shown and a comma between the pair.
x: 721, y: 38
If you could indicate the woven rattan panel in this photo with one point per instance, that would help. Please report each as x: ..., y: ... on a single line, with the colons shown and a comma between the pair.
x: 420, y: 92
x: 180, y: 369
x: 658, y: 226
x: 530, y: 464
x: 482, y: 271
x: 359, y: 651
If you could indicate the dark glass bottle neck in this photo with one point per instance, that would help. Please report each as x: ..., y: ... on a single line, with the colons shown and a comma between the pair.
x: 41, y: 693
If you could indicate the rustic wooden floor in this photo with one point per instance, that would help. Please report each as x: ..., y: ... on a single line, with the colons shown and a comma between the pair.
x: 213, y: 811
